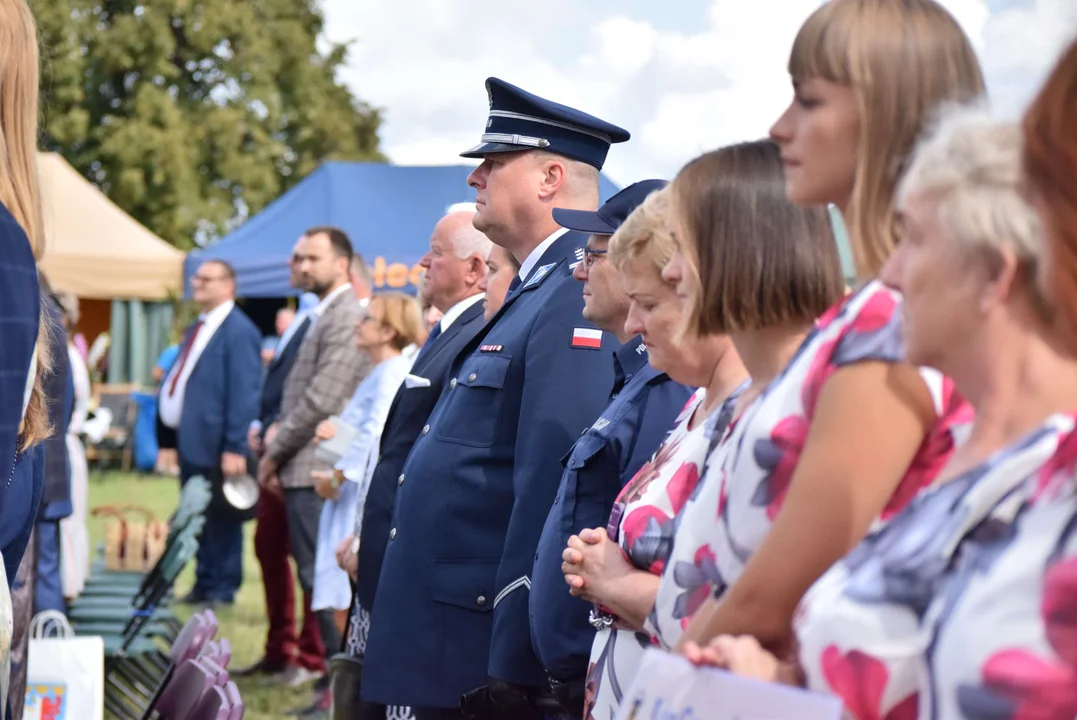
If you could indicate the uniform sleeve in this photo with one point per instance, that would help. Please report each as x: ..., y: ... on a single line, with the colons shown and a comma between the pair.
x: 565, y: 390
x: 244, y: 374
x: 338, y: 370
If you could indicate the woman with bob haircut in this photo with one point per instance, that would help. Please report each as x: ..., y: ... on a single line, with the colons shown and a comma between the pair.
x: 768, y: 269
x: 617, y: 567
x: 962, y: 606
x: 848, y: 431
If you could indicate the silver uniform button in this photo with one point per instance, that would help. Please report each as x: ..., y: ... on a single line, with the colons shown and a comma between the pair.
x: 392, y: 534
x: 452, y: 383
x: 471, y: 377
x: 400, y: 480
x: 426, y: 429
x: 480, y: 600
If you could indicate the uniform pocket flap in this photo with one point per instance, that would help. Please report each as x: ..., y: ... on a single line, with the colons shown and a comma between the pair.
x: 467, y: 584
x: 585, y: 448
x: 487, y: 371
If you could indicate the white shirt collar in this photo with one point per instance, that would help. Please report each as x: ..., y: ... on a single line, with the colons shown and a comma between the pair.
x: 532, y: 260
x: 215, y: 317
x: 320, y: 308
x: 453, y: 313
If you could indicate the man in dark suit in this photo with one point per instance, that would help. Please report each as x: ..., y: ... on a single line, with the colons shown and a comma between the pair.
x: 451, y: 611
x: 207, y: 403
x: 455, y: 264
x: 292, y: 657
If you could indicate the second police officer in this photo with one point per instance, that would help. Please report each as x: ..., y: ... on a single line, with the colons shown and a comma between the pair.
x: 644, y: 404
x: 451, y: 614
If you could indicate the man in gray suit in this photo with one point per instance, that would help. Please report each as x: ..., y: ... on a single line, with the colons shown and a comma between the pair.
x: 323, y: 378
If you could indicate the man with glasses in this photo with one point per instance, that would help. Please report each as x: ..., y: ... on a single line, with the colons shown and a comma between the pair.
x: 643, y: 406
x: 207, y: 401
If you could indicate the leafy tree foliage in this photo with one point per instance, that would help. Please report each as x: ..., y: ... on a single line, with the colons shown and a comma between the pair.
x: 192, y: 114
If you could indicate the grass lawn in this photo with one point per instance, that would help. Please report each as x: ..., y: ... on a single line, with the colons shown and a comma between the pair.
x: 244, y: 624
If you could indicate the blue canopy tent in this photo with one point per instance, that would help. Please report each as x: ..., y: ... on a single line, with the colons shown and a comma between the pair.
x: 387, y: 210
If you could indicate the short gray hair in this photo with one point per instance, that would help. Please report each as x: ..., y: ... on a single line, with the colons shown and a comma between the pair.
x: 970, y: 162
x: 467, y: 240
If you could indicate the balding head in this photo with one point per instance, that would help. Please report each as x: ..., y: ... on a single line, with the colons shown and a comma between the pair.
x: 456, y: 262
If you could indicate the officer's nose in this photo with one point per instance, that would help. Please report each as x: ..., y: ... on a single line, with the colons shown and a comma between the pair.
x: 477, y: 178
x: 580, y: 271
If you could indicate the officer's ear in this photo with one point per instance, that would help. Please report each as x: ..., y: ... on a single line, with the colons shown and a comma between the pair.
x: 554, y: 175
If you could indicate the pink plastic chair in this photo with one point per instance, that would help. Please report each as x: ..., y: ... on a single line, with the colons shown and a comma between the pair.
x: 185, y: 690
x: 214, y: 705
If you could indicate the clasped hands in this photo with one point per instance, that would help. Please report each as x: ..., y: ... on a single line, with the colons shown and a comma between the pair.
x: 593, y: 563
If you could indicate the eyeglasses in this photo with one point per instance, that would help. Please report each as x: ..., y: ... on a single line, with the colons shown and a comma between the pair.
x: 202, y: 279
x: 590, y: 255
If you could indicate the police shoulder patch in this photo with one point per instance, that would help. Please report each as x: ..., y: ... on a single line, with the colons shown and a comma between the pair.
x: 537, y: 276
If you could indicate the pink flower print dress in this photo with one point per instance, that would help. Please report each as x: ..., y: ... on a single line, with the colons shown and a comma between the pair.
x: 748, y: 473
x: 647, y: 507
x: 947, y: 611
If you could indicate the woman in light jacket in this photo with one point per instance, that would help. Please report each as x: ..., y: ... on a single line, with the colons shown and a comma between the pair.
x: 392, y: 323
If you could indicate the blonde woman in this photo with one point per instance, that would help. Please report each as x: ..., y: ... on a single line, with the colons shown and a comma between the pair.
x: 616, y: 568
x: 392, y: 323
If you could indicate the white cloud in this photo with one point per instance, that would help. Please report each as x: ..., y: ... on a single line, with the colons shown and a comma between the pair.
x: 678, y: 92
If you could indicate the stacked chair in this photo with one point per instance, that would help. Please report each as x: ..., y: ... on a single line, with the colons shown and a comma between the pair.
x: 153, y: 662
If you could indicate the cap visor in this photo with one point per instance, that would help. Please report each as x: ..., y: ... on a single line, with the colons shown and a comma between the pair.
x: 483, y: 149
x: 582, y: 221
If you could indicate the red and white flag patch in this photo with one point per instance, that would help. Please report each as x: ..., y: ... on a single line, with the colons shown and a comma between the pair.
x: 587, y: 338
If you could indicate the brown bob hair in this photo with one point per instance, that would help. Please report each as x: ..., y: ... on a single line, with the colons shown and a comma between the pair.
x: 1050, y: 165
x: 760, y: 260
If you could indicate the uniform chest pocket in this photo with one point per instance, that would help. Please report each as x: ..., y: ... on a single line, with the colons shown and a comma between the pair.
x: 477, y: 400
x: 590, y: 477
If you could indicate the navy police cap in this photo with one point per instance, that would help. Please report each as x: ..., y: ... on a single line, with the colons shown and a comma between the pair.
x: 609, y: 217
x: 521, y: 121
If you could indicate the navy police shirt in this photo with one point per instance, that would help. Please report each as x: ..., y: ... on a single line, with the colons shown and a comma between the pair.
x: 643, y: 407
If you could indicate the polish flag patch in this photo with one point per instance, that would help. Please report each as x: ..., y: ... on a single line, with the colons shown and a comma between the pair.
x: 587, y: 338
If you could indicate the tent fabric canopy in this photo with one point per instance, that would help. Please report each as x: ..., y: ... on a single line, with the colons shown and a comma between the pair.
x: 96, y: 250
x: 388, y: 211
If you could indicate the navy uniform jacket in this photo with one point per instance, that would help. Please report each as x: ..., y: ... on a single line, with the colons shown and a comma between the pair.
x: 409, y: 412
x: 451, y: 606
x: 601, y: 463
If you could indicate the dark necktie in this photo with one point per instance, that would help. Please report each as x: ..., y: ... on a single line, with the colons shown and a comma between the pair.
x: 183, y: 356
x: 428, y: 344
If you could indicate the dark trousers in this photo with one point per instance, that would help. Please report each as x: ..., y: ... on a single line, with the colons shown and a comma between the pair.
x: 220, y: 548
x: 220, y: 558
x: 273, y: 550
x: 48, y: 592
x: 304, y: 510
x: 22, y: 611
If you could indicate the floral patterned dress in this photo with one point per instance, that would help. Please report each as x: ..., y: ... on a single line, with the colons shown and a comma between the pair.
x: 749, y: 470
x: 643, y: 520
x: 965, y: 604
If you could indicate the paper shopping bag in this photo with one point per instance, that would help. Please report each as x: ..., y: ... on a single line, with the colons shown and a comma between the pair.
x: 668, y: 686
x: 65, y: 676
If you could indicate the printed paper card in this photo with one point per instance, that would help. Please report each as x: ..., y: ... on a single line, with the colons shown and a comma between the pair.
x: 668, y: 687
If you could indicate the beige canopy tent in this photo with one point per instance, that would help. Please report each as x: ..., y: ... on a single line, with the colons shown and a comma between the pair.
x: 96, y: 250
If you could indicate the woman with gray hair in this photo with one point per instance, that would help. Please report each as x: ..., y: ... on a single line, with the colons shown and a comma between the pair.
x: 962, y: 605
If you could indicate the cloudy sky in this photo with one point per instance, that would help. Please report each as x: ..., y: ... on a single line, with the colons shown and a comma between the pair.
x: 682, y: 75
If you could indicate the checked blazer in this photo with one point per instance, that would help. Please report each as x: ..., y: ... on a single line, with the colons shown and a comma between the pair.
x: 326, y: 372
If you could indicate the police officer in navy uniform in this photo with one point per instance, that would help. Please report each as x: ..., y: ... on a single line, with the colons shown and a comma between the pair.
x: 451, y: 636
x: 643, y: 405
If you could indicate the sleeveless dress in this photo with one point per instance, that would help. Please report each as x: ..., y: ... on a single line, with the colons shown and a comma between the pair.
x: 965, y: 604
x: 749, y: 470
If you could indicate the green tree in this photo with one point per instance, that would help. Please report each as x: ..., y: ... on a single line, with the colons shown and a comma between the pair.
x: 192, y: 114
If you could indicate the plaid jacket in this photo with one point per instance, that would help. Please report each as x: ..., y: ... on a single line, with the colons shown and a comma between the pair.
x: 320, y: 383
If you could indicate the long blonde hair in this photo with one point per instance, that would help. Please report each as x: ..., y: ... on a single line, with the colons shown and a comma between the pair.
x: 901, y: 59
x: 19, y: 186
